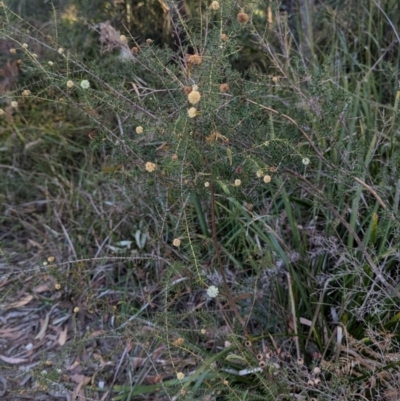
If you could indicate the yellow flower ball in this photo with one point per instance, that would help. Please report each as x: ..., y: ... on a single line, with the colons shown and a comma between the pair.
x: 267, y: 179
x: 215, y: 5
x: 150, y: 167
x: 194, y: 97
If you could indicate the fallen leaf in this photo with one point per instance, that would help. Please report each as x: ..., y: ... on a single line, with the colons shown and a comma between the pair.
x: 153, y: 379
x: 82, y: 381
x: 43, y: 329
x: 76, y: 378
x: 25, y: 300
x: 74, y: 364
x: 34, y: 244
x: 42, y: 288
x: 62, y: 339
x: 12, y: 360
x: 97, y: 333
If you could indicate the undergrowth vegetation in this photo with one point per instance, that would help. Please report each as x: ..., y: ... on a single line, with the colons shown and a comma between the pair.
x: 211, y: 220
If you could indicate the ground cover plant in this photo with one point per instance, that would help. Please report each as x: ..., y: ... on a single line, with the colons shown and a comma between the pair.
x: 215, y: 218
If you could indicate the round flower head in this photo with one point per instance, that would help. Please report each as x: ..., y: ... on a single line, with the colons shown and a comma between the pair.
x: 242, y: 17
x: 25, y: 46
x: 123, y: 39
x: 50, y: 63
x: 259, y: 174
x: 195, y: 87
x: 13, y: 51
x: 224, y: 37
x: 194, y: 59
x: 150, y: 167
x: 212, y: 291
x: 180, y: 376
x: 267, y: 179
x: 206, y: 184
x: 85, y: 84
x: 1, y: 112
x: 139, y: 130
x: 187, y: 89
x: 60, y: 50
x: 215, y: 5
x: 135, y: 50
x: 26, y: 92
x: 194, y: 97
x: 176, y: 242
x: 306, y: 161
x: 70, y: 84
x: 192, y: 112
x: 238, y: 183
x: 224, y: 88
x: 14, y: 104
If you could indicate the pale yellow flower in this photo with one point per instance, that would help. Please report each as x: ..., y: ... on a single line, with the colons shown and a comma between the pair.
x: 76, y: 309
x: 57, y: 286
x: 267, y: 179
x: 192, y: 112
x: 180, y: 375
x: 139, y: 130
x: 150, y: 167
x: 25, y: 46
x: 316, y: 370
x: 238, y: 183
x: 14, y: 104
x: 13, y: 51
x: 123, y: 39
x: 179, y: 341
x: 194, y: 97
x: 26, y: 92
x: 50, y: 63
x: 70, y: 84
x: 1, y: 112
x: 176, y: 242
x: 215, y: 5
x: 259, y: 174
x: 60, y: 50
x: 206, y: 184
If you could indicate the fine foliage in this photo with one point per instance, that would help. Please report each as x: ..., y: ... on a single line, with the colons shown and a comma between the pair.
x: 218, y: 215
